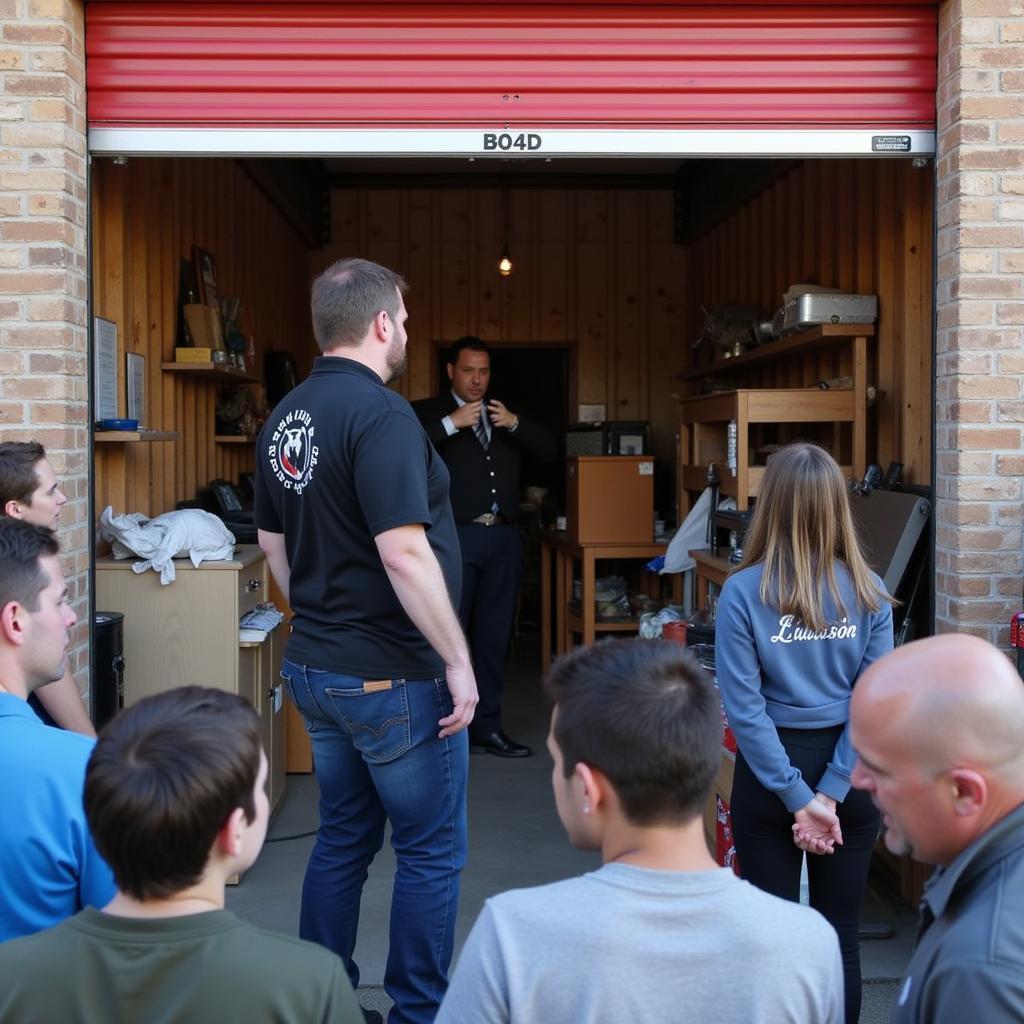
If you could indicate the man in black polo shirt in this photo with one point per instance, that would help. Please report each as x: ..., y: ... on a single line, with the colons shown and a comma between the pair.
x: 481, y: 440
x: 353, y: 514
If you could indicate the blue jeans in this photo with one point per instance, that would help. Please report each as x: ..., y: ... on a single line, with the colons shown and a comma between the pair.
x: 377, y: 757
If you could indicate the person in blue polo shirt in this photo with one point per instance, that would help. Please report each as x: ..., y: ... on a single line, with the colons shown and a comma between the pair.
x: 50, y: 866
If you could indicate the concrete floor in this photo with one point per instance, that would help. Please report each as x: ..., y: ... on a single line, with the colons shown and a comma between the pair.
x: 515, y: 840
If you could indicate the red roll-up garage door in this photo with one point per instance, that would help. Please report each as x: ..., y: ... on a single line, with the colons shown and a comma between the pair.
x: 554, y: 78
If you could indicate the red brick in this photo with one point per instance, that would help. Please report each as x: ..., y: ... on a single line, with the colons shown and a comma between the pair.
x: 44, y: 256
x: 989, y: 237
x: 976, y: 386
x: 989, y: 107
x: 52, y: 34
x: 1010, y: 515
x: 39, y: 337
x: 56, y: 308
x: 1010, y: 412
x: 1012, y: 81
x: 51, y: 362
x: 36, y: 85
x: 969, y: 286
x: 993, y: 57
x: 989, y: 159
x: 983, y: 611
x: 37, y: 231
x: 38, y: 387
x: 966, y: 412
x: 11, y: 412
x: 36, y: 281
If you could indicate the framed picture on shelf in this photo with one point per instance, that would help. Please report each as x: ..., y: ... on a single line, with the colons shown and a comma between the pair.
x: 206, y: 278
x: 104, y: 369
x: 137, y: 387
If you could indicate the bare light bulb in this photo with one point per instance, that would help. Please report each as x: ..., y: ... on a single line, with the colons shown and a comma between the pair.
x: 505, y: 263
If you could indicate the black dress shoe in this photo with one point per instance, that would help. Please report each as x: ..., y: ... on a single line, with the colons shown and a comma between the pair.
x: 372, y: 1016
x: 499, y: 744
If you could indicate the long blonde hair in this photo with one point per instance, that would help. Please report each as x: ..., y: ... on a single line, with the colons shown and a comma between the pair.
x: 801, y: 526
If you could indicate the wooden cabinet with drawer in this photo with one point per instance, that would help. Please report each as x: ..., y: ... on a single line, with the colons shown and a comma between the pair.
x: 187, y: 633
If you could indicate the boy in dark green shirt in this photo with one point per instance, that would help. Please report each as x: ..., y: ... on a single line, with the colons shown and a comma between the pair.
x: 175, y: 799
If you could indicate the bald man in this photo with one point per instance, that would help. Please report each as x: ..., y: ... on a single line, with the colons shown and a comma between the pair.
x: 938, y: 726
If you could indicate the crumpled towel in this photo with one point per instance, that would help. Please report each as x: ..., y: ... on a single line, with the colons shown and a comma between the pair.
x: 188, y: 532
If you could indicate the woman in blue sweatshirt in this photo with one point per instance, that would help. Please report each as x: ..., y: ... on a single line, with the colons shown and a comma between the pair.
x: 798, y: 621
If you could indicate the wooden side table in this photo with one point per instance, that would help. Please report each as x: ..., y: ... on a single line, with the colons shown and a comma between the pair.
x: 559, y: 551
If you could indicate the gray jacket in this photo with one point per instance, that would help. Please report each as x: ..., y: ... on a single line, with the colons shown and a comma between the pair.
x: 969, y: 961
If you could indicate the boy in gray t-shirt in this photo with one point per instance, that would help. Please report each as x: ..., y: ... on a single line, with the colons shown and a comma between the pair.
x: 659, y: 932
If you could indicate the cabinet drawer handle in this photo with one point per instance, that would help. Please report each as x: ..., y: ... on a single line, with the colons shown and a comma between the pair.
x: 252, y: 585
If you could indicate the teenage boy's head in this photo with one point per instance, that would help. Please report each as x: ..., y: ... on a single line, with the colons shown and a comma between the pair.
x: 642, y: 715
x: 34, y: 612
x: 175, y: 786
x: 28, y: 484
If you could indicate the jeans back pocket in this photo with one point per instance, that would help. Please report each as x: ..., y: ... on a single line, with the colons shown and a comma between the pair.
x: 377, y: 722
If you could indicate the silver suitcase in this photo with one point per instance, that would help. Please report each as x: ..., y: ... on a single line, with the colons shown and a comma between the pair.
x: 812, y: 309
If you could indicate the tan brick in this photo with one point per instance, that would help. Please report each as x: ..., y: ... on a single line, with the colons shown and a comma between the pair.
x: 1010, y: 412
x: 34, y: 281
x: 37, y: 85
x: 38, y: 387
x: 26, y: 135
x: 991, y: 237
x: 1010, y: 515
x: 49, y: 110
x: 12, y: 60
x: 990, y: 107
x: 37, y: 231
x: 11, y: 110
x: 974, y: 561
x: 967, y: 412
x: 10, y: 206
x: 970, y: 313
x: 11, y: 412
x: 985, y: 440
x: 1007, y: 586
x: 975, y: 386
x: 10, y: 309
x: 56, y: 308
x: 990, y: 287
x: 47, y: 9
x: 41, y: 34
x: 38, y: 337
x: 51, y: 438
x: 49, y: 412
x: 1010, y: 362
x: 966, y: 464
x: 984, y: 338
x: 1012, y: 81
x: 1012, y: 183
x: 1010, y: 465
x: 1012, y: 31
x: 993, y: 56
x: 1010, y: 312
x: 989, y: 159
x: 21, y: 181
x: 968, y: 514
x: 1011, y: 262
x: 998, y: 489
x: 983, y: 611
x: 1010, y: 131
x: 51, y: 60
x: 57, y: 362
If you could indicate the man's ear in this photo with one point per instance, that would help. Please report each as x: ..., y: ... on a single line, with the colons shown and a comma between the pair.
x: 970, y: 791
x: 229, y: 839
x: 596, y: 787
x: 12, y: 623
x: 450, y: 367
x: 12, y: 508
x: 382, y: 325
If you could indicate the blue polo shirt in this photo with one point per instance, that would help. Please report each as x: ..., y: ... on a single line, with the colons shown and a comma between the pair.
x: 51, y: 869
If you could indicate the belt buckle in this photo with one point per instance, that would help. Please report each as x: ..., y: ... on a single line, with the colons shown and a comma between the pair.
x: 487, y: 518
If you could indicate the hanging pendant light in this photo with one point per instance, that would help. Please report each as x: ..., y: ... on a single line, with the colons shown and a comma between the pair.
x: 505, y: 263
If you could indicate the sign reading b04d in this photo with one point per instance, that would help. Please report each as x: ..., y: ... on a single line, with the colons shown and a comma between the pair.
x: 524, y: 142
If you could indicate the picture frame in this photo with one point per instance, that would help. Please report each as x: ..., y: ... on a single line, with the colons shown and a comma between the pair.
x: 206, y: 277
x: 136, y: 367
x: 104, y: 369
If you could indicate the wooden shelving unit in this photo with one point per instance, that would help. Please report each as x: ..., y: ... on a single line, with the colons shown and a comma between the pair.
x: 701, y: 444
x: 209, y: 371
x: 234, y: 439
x: 129, y: 436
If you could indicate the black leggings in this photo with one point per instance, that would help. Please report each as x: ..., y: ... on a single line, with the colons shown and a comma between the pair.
x: 762, y: 829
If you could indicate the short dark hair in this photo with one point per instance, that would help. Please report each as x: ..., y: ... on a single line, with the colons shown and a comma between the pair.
x: 163, y: 779
x: 21, y: 546
x: 470, y: 342
x: 18, y: 477
x: 347, y: 296
x: 647, y: 716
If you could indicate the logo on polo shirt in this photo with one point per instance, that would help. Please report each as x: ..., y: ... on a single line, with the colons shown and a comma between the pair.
x: 292, y: 454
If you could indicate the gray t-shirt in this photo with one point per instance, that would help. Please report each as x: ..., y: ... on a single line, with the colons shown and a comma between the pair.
x: 628, y: 944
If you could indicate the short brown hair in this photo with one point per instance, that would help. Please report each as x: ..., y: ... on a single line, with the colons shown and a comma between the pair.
x: 163, y: 779
x: 347, y: 296
x: 18, y: 477
x: 22, y: 545
x: 647, y: 716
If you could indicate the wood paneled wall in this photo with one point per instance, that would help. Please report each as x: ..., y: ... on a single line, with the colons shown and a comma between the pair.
x: 597, y: 271
x: 147, y: 214
x: 862, y: 226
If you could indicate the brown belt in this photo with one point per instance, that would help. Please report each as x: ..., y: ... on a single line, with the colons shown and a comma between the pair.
x: 489, y: 519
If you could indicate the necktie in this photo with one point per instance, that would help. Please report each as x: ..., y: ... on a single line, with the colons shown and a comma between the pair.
x: 480, y: 429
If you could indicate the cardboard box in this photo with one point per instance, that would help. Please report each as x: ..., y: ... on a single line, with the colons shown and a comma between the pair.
x: 193, y: 355
x: 610, y: 499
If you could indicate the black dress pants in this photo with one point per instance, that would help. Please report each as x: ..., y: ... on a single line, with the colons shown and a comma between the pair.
x: 763, y: 833
x: 492, y: 561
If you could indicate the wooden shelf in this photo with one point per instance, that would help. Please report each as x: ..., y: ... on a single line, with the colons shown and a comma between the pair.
x: 209, y: 371
x: 234, y: 439
x: 128, y: 436
x: 817, y: 339
x: 574, y: 621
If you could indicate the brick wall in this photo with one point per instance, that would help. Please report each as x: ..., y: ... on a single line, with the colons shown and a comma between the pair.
x: 43, y: 261
x: 980, y: 323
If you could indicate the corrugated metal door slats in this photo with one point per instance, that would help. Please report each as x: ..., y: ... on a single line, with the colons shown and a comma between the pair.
x: 559, y: 65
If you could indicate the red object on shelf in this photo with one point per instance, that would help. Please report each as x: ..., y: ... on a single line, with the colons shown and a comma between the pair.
x: 674, y: 631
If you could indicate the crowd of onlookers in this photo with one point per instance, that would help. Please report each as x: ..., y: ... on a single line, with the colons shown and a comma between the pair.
x: 116, y: 852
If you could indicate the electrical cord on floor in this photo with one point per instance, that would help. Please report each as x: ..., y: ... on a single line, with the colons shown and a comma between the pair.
x: 288, y: 839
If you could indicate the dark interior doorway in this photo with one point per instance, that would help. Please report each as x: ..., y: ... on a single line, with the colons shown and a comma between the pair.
x: 533, y: 381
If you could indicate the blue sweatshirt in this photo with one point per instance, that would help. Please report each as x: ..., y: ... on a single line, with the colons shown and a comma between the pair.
x: 774, y: 671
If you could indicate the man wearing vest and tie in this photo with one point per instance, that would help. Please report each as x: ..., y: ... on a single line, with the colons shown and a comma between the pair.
x: 481, y: 441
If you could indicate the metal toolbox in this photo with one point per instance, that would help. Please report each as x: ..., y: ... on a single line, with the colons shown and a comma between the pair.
x: 812, y: 309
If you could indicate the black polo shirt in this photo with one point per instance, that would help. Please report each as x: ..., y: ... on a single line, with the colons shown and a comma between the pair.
x: 341, y: 459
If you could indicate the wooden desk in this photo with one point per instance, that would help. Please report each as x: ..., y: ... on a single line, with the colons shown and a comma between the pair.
x: 557, y: 549
x: 710, y: 569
